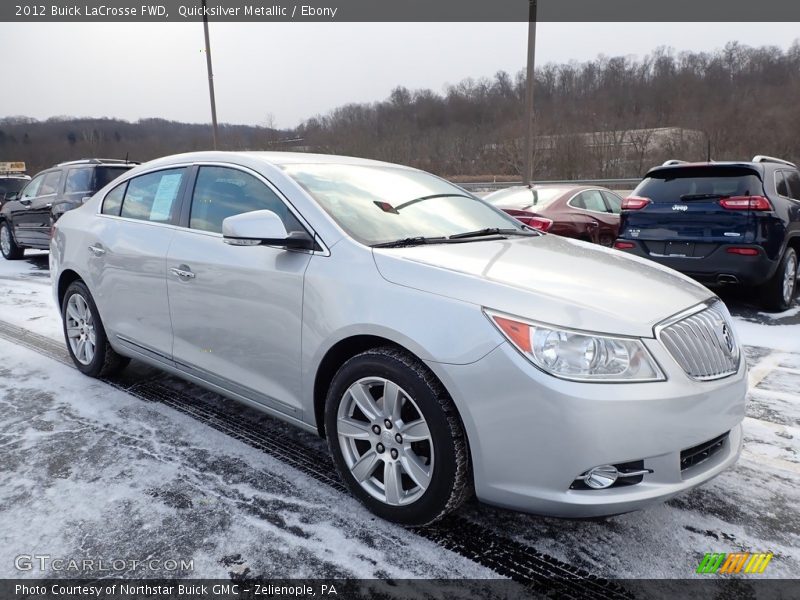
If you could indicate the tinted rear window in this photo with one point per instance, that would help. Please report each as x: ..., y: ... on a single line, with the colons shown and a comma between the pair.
x: 523, y: 197
x: 670, y: 184
x: 10, y: 185
x: 105, y: 175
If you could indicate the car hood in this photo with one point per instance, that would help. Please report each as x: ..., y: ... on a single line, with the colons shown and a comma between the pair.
x: 549, y: 279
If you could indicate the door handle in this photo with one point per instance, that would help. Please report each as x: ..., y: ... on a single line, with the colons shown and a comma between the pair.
x: 97, y: 250
x: 183, y: 272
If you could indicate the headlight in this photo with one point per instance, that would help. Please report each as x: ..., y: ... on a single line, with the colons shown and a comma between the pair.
x: 579, y: 355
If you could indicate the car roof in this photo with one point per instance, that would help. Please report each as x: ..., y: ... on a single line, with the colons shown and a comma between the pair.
x: 278, y: 159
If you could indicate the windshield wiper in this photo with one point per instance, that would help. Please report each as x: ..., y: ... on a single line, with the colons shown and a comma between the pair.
x: 431, y: 197
x: 491, y: 231
x: 701, y: 196
x: 410, y: 241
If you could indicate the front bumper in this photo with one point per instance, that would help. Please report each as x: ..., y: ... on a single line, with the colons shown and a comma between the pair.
x: 531, y: 434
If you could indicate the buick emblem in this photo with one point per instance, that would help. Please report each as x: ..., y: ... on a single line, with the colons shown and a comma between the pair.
x: 726, y: 337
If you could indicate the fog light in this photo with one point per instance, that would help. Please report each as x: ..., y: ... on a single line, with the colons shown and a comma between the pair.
x: 601, y: 477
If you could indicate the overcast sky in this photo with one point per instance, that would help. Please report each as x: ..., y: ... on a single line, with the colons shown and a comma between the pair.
x: 293, y: 71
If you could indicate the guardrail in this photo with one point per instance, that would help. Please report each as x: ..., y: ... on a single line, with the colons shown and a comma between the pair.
x: 491, y: 186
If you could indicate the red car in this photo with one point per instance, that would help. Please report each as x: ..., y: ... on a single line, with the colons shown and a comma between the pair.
x: 582, y: 212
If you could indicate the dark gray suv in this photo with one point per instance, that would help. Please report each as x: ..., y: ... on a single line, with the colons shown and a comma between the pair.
x: 25, y: 222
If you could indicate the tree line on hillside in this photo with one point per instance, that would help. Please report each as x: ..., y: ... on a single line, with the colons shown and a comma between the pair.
x: 607, y: 118
x: 41, y: 144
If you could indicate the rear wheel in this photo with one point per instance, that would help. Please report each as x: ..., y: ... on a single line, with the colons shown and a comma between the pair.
x: 778, y: 293
x: 85, y: 335
x: 8, y: 246
x: 396, y: 438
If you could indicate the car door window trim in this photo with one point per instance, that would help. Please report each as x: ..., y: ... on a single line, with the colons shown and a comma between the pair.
x: 184, y: 225
x: 569, y: 202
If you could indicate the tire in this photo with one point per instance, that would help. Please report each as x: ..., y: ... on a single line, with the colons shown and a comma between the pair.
x: 8, y: 246
x: 432, y: 472
x: 778, y: 293
x: 79, y: 315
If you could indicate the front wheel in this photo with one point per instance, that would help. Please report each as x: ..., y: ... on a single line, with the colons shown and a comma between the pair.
x: 85, y: 335
x: 778, y: 293
x: 8, y: 246
x: 396, y: 438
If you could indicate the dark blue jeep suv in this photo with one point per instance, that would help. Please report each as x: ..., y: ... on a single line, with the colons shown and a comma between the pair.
x: 721, y: 223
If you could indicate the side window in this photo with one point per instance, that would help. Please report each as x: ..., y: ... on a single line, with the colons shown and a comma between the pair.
x: 780, y: 184
x: 153, y: 197
x: 578, y: 202
x: 78, y: 180
x: 113, y: 201
x: 50, y: 183
x: 222, y: 192
x: 793, y: 183
x: 614, y: 202
x: 592, y: 200
x: 32, y: 189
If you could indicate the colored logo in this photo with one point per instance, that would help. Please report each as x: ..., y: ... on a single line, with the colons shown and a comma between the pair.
x: 737, y: 562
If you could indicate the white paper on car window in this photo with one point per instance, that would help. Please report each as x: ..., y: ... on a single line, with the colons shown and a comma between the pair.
x: 165, y: 196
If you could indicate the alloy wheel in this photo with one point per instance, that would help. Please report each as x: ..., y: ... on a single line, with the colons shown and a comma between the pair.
x: 5, y: 240
x: 80, y: 329
x: 385, y: 441
x: 789, y: 277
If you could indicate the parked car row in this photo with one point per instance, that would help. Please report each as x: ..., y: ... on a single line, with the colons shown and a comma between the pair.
x: 721, y: 223
x: 440, y: 345
x: 27, y: 217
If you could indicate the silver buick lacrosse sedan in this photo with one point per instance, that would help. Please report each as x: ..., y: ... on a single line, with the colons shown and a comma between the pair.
x: 438, y: 344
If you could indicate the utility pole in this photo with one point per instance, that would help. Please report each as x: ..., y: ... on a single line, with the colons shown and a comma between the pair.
x: 210, y: 79
x: 527, y: 176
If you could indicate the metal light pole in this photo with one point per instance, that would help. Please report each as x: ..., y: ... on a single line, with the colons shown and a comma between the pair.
x: 527, y: 176
x: 210, y: 78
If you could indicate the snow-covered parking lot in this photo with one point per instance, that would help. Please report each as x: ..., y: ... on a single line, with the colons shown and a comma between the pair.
x: 146, y: 466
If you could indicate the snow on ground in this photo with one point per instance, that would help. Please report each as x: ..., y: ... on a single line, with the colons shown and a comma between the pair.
x: 88, y: 470
x: 91, y: 471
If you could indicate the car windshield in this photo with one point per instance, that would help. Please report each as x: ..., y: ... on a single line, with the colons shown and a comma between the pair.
x: 380, y: 204
x: 697, y: 183
x: 523, y: 197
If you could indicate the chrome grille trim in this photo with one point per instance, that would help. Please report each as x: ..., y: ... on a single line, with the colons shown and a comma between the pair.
x: 696, y: 341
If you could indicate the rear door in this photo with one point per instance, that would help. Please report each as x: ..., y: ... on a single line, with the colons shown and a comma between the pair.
x: 685, y: 213
x: 127, y: 260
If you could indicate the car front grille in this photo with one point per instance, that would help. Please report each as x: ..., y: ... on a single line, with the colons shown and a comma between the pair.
x: 703, y: 343
x: 702, y: 452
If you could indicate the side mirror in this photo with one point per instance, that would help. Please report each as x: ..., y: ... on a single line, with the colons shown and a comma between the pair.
x: 263, y: 228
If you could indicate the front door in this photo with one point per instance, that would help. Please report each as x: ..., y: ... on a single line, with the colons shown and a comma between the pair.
x: 31, y: 216
x: 237, y: 310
